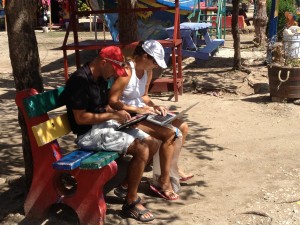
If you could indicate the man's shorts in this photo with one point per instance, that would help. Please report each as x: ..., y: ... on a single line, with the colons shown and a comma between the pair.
x: 104, y: 137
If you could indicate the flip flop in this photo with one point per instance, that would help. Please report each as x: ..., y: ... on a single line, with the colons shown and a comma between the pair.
x: 182, y: 179
x: 162, y: 193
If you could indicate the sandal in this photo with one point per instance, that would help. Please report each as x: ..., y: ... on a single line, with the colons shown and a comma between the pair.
x: 183, y: 179
x: 132, y: 211
x: 121, y: 191
x: 166, y: 194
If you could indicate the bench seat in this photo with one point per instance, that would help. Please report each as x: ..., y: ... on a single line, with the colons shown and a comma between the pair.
x: 72, y: 160
x: 99, y: 160
x: 85, y: 160
x: 212, y: 46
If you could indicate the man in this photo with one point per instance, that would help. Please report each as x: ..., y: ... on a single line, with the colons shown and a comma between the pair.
x: 94, y: 122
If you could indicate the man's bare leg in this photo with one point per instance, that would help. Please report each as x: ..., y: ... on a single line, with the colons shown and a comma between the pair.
x: 140, y: 152
x: 153, y: 145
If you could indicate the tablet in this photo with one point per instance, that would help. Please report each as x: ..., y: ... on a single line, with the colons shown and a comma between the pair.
x: 136, y: 119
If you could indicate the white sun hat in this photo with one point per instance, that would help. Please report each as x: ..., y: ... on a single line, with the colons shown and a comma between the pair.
x: 156, y: 50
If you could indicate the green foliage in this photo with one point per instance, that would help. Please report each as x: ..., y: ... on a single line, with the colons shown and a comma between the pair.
x: 284, y: 6
x: 82, y: 6
x: 293, y: 62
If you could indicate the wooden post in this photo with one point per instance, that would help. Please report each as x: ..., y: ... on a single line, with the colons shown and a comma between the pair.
x: 5, y: 23
x: 50, y: 18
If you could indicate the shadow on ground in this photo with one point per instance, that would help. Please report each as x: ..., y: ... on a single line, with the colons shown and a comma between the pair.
x: 13, y: 192
x: 56, y: 65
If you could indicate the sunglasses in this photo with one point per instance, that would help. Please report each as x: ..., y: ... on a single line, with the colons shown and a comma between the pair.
x: 122, y: 64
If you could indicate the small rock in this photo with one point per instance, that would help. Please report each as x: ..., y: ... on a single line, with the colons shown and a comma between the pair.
x: 2, y: 181
x: 297, y: 102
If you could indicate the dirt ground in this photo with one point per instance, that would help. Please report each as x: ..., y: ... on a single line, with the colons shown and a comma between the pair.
x: 242, y: 147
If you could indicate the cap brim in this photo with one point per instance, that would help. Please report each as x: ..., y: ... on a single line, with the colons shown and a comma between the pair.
x: 121, y: 72
x: 161, y: 63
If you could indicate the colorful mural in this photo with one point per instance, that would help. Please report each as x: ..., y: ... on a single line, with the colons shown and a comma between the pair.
x: 151, y: 25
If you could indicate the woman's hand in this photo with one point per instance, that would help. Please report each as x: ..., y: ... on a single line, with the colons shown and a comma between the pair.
x: 161, y: 110
x: 145, y: 109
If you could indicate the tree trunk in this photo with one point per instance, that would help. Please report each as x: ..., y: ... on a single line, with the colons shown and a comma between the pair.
x: 236, y: 35
x: 127, y: 21
x: 260, y: 21
x: 24, y: 56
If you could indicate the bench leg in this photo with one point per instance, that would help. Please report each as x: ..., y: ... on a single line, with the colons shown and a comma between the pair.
x: 41, y: 195
x: 88, y: 201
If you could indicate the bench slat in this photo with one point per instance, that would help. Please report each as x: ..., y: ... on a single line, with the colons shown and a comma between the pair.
x: 212, y: 46
x: 72, y: 160
x: 51, y: 129
x: 99, y: 160
x: 42, y: 103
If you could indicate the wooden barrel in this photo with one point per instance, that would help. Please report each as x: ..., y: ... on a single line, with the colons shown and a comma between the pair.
x: 284, y: 82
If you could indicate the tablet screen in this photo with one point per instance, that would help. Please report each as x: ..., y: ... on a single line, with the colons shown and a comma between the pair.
x: 136, y: 119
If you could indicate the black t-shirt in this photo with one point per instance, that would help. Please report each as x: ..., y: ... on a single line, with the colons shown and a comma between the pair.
x: 82, y: 92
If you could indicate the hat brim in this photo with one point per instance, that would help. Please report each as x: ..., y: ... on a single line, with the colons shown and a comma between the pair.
x: 161, y: 63
x: 121, y: 72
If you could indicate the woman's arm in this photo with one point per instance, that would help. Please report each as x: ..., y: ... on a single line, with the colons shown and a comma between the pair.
x: 146, y: 97
x: 157, y: 109
x: 116, y: 91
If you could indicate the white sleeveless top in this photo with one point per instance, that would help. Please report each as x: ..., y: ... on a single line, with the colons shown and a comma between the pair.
x: 135, y: 89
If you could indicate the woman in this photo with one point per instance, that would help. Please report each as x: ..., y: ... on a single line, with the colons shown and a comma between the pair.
x: 131, y: 94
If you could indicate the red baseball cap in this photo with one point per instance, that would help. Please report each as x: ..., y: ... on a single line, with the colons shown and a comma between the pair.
x: 114, y: 55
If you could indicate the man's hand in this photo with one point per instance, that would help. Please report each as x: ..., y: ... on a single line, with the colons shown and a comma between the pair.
x: 109, y: 109
x: 121, y: 116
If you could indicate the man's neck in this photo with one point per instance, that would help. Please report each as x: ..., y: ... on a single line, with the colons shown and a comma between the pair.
x: 95, y: 69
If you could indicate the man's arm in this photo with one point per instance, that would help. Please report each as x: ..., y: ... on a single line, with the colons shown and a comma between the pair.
x: 82, y: 117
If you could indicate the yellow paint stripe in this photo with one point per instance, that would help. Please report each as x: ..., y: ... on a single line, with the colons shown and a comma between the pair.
x: 153, y: 3
x: 143, y: 15
x: 276, y: 9
x: 51, y: 129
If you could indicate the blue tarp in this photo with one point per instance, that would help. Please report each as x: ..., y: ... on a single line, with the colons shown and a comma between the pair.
x: 183, y: 4
x: 146, y: 30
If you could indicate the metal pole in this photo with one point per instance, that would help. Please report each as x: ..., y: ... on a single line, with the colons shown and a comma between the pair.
x: 273, y: 18
x: 5, y: 22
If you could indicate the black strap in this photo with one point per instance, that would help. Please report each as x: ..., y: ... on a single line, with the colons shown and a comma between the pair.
x: 133, y: 204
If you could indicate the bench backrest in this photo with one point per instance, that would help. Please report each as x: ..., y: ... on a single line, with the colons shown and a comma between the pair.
x: 42, y: 103
x: 43, y: 132
x: 35, y: 107
x: 51, y: 129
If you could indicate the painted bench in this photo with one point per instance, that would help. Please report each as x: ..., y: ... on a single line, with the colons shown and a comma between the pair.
x: 191, y: 42
x: 76, y: 179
